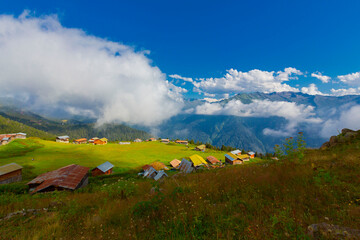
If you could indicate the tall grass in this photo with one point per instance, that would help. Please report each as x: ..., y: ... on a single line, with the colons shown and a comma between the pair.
x: 272, y: 200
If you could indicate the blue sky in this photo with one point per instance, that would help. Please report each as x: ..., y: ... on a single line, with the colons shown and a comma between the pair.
x: 204, y: 39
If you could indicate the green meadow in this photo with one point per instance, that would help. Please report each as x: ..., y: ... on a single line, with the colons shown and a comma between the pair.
x: 38, y: 156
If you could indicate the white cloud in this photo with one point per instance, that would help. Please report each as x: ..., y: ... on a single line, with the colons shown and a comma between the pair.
x: 176, y: 76
x: 294, y: 113
x: 252, y: 81
x: 211, y: 100
x: 352, y: 79
x: 311, y: 90
x: 349, y: 118
x: 322, y: 78
x: 54, y: 66
x: 343, y: 92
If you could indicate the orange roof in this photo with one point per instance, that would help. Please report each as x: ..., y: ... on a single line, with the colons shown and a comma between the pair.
x: 159, y: 166
x: 181, y: 141
x: 80, y: 140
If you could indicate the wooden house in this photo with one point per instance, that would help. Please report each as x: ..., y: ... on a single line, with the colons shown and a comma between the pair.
x: 149, y: 171
x: 201, y: 148
x: 4, y: 140
x: 92, y: 140
x: 159, y: 166
x: 236, y: 152
x: 138, y: 140
x: 105, y: 140
x: 160, y: 175
x: 232, y: 159
x: 175, y: 163
x: 212, y: 160
x: 244, y: 157
x: 197, y: 160
x: 251, y: 154
x: 104, y: 169
x: 99, y: 142
x: 63, y: 139
x: 186, y: 166
x: 152, y: 139
x: 20, y: 136
x: 10, y: 173
x: 165, y: 140
x: 182, y: 142
x: 70, y: 177
x: 80, y: 141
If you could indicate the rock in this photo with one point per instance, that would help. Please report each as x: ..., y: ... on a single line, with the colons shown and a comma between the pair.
x: 329, y: 231
x: 346, y: 130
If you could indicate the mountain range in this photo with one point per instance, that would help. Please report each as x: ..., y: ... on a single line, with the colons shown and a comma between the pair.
x: 245, y: 129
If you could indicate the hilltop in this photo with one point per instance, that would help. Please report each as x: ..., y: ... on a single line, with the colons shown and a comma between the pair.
x: 261, y: 200
x: 73, y: 128
x: 10, y: 126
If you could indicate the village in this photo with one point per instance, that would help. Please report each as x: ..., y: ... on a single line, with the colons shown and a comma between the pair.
x: 73, y: 176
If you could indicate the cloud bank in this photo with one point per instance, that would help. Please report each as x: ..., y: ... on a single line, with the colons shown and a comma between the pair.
x: 50, y: 66
x: 292, y: 112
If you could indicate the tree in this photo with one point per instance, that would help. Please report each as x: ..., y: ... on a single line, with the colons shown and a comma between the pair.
x: 292, y: 148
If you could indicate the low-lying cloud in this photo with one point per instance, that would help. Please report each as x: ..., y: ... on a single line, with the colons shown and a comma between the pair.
x: 292, y: 112
x: 349, y: 118
x: 51, y: 66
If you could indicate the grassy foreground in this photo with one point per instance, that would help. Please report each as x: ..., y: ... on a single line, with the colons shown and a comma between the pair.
x: 272, y: 200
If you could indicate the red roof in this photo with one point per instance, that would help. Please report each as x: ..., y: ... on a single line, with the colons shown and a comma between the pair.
x: 212, y: 159
x: 66, y: 177
x: 145, y: 167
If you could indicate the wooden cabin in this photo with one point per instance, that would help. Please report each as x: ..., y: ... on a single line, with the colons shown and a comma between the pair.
x: 232, y: 159
x: 152, y: 139
x: 165, y: 140
x: 197, y: 160
x: 159, y: 166
x: 80, y: 141
x: 183, y: 142
x: 138, y: 140
x: 20, y: 136
x: 99, y: 142
x: 62, y: 139
x: 92, y: 140
x: 10, y: 173
x: 212, y: 160
x: 160, y: 175
x: 251, y: 154
x: 236, y: 152
x: 70, y: 177
x: 175, y: 163
x: 104, y: 169
x: 201, y: 148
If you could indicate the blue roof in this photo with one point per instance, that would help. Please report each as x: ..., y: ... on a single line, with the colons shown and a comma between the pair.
x: 251, y: 153
x: 229, y: 157
x: 159, y: 175
x: 5, y: 139
x: 105, y: 166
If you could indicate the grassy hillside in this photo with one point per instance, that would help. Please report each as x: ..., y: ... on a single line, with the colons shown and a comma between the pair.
x: 10, y: 126
x: 265, y: 200
x: 39, y: 156
x: 72, y: 128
